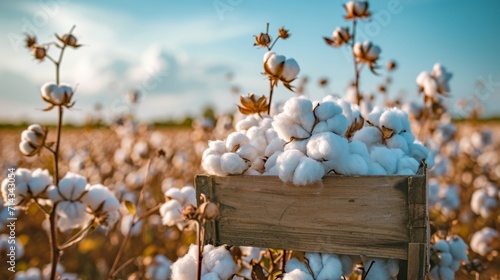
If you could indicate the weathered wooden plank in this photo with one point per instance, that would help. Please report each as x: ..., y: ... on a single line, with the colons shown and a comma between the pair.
x: 417, y: 268
x: 347, y: 215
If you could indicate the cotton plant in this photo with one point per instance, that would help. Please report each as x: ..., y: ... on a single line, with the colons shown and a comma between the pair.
x: 484, y: 201
x: 484, y: 241
x: 444, y: 198
x: 217, y: 263
x: 447, y: 256
x: 319, y: 266
x: 177, y: 200
x: 363, y: 53
x: 158, y: 267
x: 30, y: 186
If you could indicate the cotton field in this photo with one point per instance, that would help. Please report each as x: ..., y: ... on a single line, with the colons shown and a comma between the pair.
x: 117, y: 199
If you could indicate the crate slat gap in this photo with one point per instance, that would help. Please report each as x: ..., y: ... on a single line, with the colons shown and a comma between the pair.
x: 377, y: 216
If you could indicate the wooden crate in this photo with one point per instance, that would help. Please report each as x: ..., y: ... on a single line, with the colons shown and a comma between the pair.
x: 377, y: 216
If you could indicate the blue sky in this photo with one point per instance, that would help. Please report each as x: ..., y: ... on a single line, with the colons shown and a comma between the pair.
x: 178, y: 52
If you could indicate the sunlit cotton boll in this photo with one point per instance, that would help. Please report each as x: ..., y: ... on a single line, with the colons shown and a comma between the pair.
x: 274, y: 63
x: 233, y: 164
x: 171, y: 211
x: 236, y: 139
x: 327, y: 146
x: 369, y: 135
x: 217, y: 262
x: 326, y: 110
x: 300, y: 110
x: 103, y: 203
x: 290, y: 71
x: 126, y: 224
x: 27, y: 185
x: 449, y: 199
x: 382, y: 269
x: 70, y: 210
x: 484, y: 201
x: 388, y: 158
x: 159, y: 268
x: 308, y: 171
x: 32, y: 273
x: 458, y: 248
x: 297, y: 274
x: 391, y: 119
x: 482, y: 240
x: 287, y: 162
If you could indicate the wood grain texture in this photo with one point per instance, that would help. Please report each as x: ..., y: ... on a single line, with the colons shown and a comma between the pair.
x: 368, y: 215
x: 417, y: 269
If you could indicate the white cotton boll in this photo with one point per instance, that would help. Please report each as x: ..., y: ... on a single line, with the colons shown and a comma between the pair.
x: 126, y: 223
x: 407, y: 162
x: 220, y: 261
x: 418, y: 151
x: 385, y: 157
x: 338, y: 124
x: 445, y: 259
x: 408, y: 136
x: 455, y: 265
x: 308, y: 171
x: 274, y: 146
x: 184, y: 267
x: 446, y: 273
x: 481, y: 241
x: 320, y: 127
x: 297, y: 274
x: 369, y: 135
x: 458, y: 248
x: 273, y: 171
x: 257, y: 138
x: 291, y: 70
x: 374, y: 116
x: 71, y: 215
x: 297, y: 108
x: 175, y: 193
x: 210, y: 276
x: 441, y: 164
x: 287, y: 162
x: 358, y: 147
x: 397, y: 142
x: 286, y: 128
x: 251, y: 253
x: 405, y: 172
x: 217, y: 146
x: 252, y: 172
x: 246, y: 123
x: 375, y: 168
x: 327, y: 110
x: 294, y: 264
x: 189, y: 196
x: 478, y: 200
x: 258, y: 164
x: 232, y: 164
x: 449, y: 199
x: 300, y: 145
x: 332, y: 269
x: 378, y: 270
x: 212, y: 165
x: 392, y: 120
x: 327, y: 146
x: 247, y: 152
x: 353, y: 164
x: 315, y: 262
x: 270, y: 133
x: 442, y: 246
x: 236, y: 139
x: 271, y: 161
x: 347, y: 265
x: 171, y: 212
